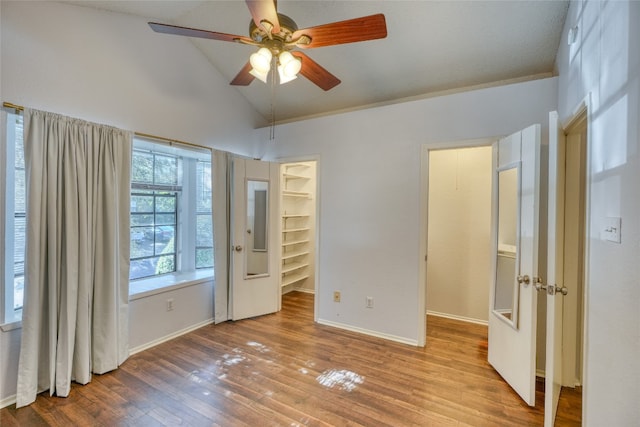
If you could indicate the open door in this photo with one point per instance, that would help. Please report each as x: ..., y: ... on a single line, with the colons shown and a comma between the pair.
x: 513, y: 316
x: 255, y: 258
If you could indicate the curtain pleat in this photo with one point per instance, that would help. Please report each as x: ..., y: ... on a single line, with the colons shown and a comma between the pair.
x: 77, y: 253
x: 221, y: 220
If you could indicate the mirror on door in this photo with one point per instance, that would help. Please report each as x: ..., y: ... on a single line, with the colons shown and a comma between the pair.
x: 257, y: 238
x: 505, y: 286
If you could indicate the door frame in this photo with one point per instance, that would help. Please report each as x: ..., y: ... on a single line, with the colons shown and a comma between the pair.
x: 584, y: 109
x: 425, y: 150
x: 316, y: 260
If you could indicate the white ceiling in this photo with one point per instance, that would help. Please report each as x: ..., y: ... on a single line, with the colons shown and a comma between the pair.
x: 432, y: 46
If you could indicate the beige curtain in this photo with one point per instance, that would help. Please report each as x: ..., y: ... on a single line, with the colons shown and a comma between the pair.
x: 221, y: 218
x: 75, y: 316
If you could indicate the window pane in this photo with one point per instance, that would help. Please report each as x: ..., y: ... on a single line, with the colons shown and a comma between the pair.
x: 142, y: 268
x: 164, y: 239
x: 141, y: 219
x: 165, y: 219
x: 165, y: 170
x: 141, y: 242
x: 204, y: 231
x: 141, y: 203
x: 18, y: 245
x: 203, y: 186
x: 142, y: 167
x: 166, y: 203
x: 18, y: 292
x: 204, y: 258
x: 19, y: 191
x: 166, y: 264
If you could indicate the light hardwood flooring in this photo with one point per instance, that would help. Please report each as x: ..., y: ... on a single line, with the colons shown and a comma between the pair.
x: 285, y: 370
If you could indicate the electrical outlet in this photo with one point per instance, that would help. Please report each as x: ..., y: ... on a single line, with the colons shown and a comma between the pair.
x: 369, y: 302
x: 336, y: 296
x: 170, y: 304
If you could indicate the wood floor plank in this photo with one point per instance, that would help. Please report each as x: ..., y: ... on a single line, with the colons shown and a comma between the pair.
x: 284, y: 369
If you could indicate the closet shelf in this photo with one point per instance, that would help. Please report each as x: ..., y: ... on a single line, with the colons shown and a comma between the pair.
x: 291, y: 193
x: 289, y: 255
x: 295, y: 242
x: 288, y: 175
x: 293, y: 278
x: 295, y: 230
x: 293, y: 266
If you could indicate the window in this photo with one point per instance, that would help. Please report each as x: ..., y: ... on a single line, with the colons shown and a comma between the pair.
x: 13, y: 170
x: 171, y: 218
x: 204, y: 225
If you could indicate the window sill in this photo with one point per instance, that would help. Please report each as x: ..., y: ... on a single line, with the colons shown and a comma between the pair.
x: 11, y: 325
x: 143, y: 288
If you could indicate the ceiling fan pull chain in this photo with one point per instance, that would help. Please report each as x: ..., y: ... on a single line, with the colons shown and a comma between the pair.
x: 272, y: 129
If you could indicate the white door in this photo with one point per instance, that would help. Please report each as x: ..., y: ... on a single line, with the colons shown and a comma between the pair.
x: 513, y: 316
x: 254, y: 244
x: 555, y: 262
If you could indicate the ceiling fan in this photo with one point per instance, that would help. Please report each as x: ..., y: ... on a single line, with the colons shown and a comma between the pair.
x: 277, y: 36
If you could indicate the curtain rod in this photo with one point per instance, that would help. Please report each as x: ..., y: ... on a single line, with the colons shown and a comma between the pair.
x: 140, y: 134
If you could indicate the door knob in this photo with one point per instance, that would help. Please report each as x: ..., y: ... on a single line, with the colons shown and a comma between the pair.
x: 550, y: 289
x: 539, y: 285
x: 523, y: 279
x: 238, y: 248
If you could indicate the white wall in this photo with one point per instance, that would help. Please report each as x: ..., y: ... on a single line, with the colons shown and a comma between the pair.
x: 605, y: 63
x: 459, y: 237
x: 369, y: 180
x: 150, y: 322
x: 111, y: 68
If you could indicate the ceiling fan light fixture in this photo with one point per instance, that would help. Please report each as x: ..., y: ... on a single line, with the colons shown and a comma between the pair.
x: 284, y: 77
x: 261, y: 61
x: 260, y: 75
x: 289, y: 66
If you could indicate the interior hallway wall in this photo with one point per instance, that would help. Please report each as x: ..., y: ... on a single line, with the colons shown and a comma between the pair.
x: 459, y: 261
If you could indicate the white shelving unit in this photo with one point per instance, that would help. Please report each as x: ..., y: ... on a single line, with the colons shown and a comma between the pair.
x: 298, y: 226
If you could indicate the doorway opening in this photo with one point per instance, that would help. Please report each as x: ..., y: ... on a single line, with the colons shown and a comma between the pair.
x: 574, y: 265
x: 459, y: 232
x: 298, y: 213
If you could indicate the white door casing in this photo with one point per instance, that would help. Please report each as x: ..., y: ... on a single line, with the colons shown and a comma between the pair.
x: 512, y: 347
x: 555, y: 262
x: 254, y: 294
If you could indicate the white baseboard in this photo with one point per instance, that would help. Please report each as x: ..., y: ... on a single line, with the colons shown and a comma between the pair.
x: 7, y: 401
x: 171, y: 336
x: 456, y: 317
x: 389, y: 337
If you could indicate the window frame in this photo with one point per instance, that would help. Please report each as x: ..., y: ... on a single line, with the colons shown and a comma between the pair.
x: 8, y: 312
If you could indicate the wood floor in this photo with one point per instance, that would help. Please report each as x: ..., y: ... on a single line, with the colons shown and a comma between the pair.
x: 285, y: 370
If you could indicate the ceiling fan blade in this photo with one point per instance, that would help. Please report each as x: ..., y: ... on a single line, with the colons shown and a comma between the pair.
x: 264, y: 10
x: 316, y: 73
x: 192, y: 32
x: 243, y: 78
x: 350, y: 31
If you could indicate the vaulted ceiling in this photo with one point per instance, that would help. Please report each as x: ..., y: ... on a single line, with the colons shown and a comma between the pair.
x: 431, y: 47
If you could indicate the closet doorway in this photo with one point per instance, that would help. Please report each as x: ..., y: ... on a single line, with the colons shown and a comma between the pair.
x: 459, y: 232
x: 298, y: 213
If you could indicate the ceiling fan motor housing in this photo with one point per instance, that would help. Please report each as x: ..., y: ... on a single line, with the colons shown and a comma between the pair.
x: 276, y: 42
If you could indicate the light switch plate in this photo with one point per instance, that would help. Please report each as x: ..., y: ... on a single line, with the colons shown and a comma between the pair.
x: 612, y: 229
